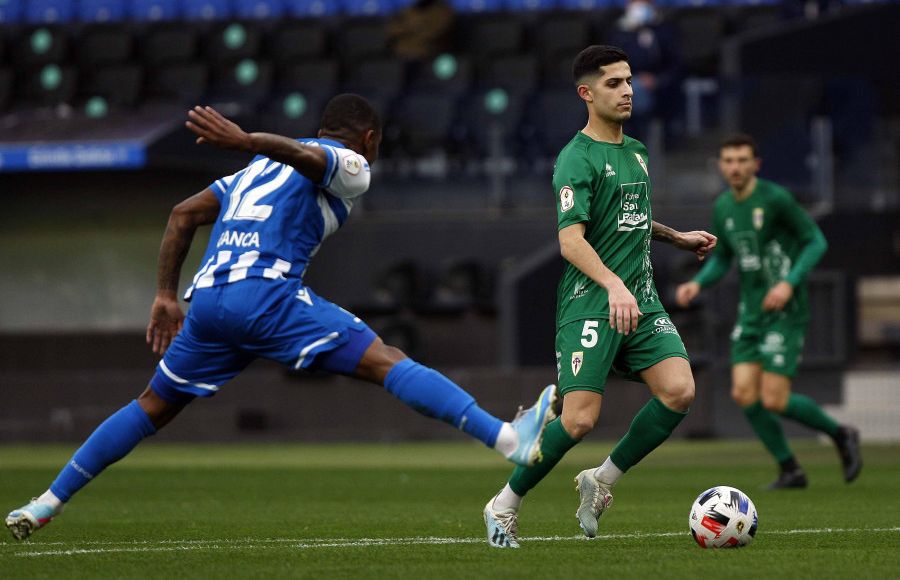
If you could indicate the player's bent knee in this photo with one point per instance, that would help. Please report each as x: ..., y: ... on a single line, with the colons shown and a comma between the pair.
x: 391, y: 354
x: 377, y: 361
x: 158, y: 409
x: 577, y: 425
x: 743, y: 397
x: 775, y: 402
x: 679, y: 395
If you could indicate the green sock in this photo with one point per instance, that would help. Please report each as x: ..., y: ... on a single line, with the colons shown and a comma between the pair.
x: 768, y: 428
x: 554, y: 445
x: 650, y: 427
x: 804, y: 410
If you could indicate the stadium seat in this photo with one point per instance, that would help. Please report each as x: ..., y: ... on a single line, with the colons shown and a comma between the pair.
x: 104, y: 44
x: 314, y: 77
x: 745, y: 18
x: 247, y: 81
x: 49, y: 11
x: 39, y: 46
x: 119, y: 84
x: 486, y: 37
x: 423, y: 121
x: 168, y: 43
x: 526, y: 5
x: 155, y: 10
x: 448, y: 74
x: 362, y: 39
x: 102, y: 10
x: 181, y: 82
x: 311, y: 8
x: 589, y: 4
x: 782, y: 132
x: 295, y: 42
x: 561, y: 36
x: 460, y: 285
x: 403, y: 284
x: 477, y: 5
x: 6, y: 87
x: 516, y: 74
x: 555, y: 117
x: 206, y: 9
x: 367, y: 7
x: 11, y: 11
x: 294, y: 114
x: 483, y: 113
x: 700, y: 33
x: 50, y: 84
x: 384, y: 76
x: 691, y: 3
x: 233, y: 41
x: 259, y: 9
x: 557, y: 73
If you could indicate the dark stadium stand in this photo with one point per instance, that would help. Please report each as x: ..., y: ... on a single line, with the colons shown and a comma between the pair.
x: 256, y: 55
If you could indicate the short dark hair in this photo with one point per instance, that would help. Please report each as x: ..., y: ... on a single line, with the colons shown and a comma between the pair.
x: 593, y: 57
x: 739, y: 140
x: 349, y: 112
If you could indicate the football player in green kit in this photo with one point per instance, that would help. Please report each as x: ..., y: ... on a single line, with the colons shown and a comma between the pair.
x: 609, y: 316
x: 776, y: 244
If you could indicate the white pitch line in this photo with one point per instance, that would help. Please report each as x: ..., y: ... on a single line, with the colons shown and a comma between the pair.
x: 305, y: 544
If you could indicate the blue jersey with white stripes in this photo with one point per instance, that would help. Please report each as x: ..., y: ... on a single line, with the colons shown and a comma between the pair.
x: 273, y: 219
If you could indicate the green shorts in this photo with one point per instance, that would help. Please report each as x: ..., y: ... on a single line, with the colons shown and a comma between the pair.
x: 587, y: 350
x: 778, y: 345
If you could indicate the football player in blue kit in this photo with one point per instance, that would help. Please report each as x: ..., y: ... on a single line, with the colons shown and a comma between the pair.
x: 248, y: 299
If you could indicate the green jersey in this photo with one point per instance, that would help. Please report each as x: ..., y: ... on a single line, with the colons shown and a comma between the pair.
x: 774, y: 240
x: 606, y: 186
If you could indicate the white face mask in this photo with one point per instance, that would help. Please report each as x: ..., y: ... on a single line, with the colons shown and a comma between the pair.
x: 638, y: 14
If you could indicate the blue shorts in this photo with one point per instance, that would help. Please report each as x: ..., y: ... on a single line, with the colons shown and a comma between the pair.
x: 229, y: 326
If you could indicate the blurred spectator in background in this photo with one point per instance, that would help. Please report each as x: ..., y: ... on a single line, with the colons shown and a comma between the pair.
x: 653, y: 53
x: 422, y: 30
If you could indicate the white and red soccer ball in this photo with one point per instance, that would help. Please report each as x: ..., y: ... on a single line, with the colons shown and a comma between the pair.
x: 723, y: 517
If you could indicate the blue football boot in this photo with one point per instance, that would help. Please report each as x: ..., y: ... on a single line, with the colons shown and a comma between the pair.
x: 24, y: 521
x: 529, y: 424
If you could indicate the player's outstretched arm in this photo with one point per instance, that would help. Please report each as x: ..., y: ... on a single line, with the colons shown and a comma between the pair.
x: 212, y: 127
x: 166, y: 316
x: 699, y: 242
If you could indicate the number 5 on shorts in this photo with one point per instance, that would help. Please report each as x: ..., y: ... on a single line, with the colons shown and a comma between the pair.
x: 589, y: 333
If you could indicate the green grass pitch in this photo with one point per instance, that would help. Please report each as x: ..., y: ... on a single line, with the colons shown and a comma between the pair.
x: 414, y: 511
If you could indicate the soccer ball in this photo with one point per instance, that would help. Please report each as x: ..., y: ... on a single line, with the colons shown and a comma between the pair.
x: 723, y: 517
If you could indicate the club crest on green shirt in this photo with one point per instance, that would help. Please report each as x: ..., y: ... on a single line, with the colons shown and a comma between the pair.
x: 643, y: 163
x: 577, y: 360
x: 758, y: 218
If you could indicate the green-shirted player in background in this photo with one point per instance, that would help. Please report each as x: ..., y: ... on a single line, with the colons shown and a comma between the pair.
x: 776, y: 244
x: 609, y: 316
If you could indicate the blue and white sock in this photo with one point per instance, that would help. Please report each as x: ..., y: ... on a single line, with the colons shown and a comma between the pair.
x: 110, y: 442
x: 434, y: 395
